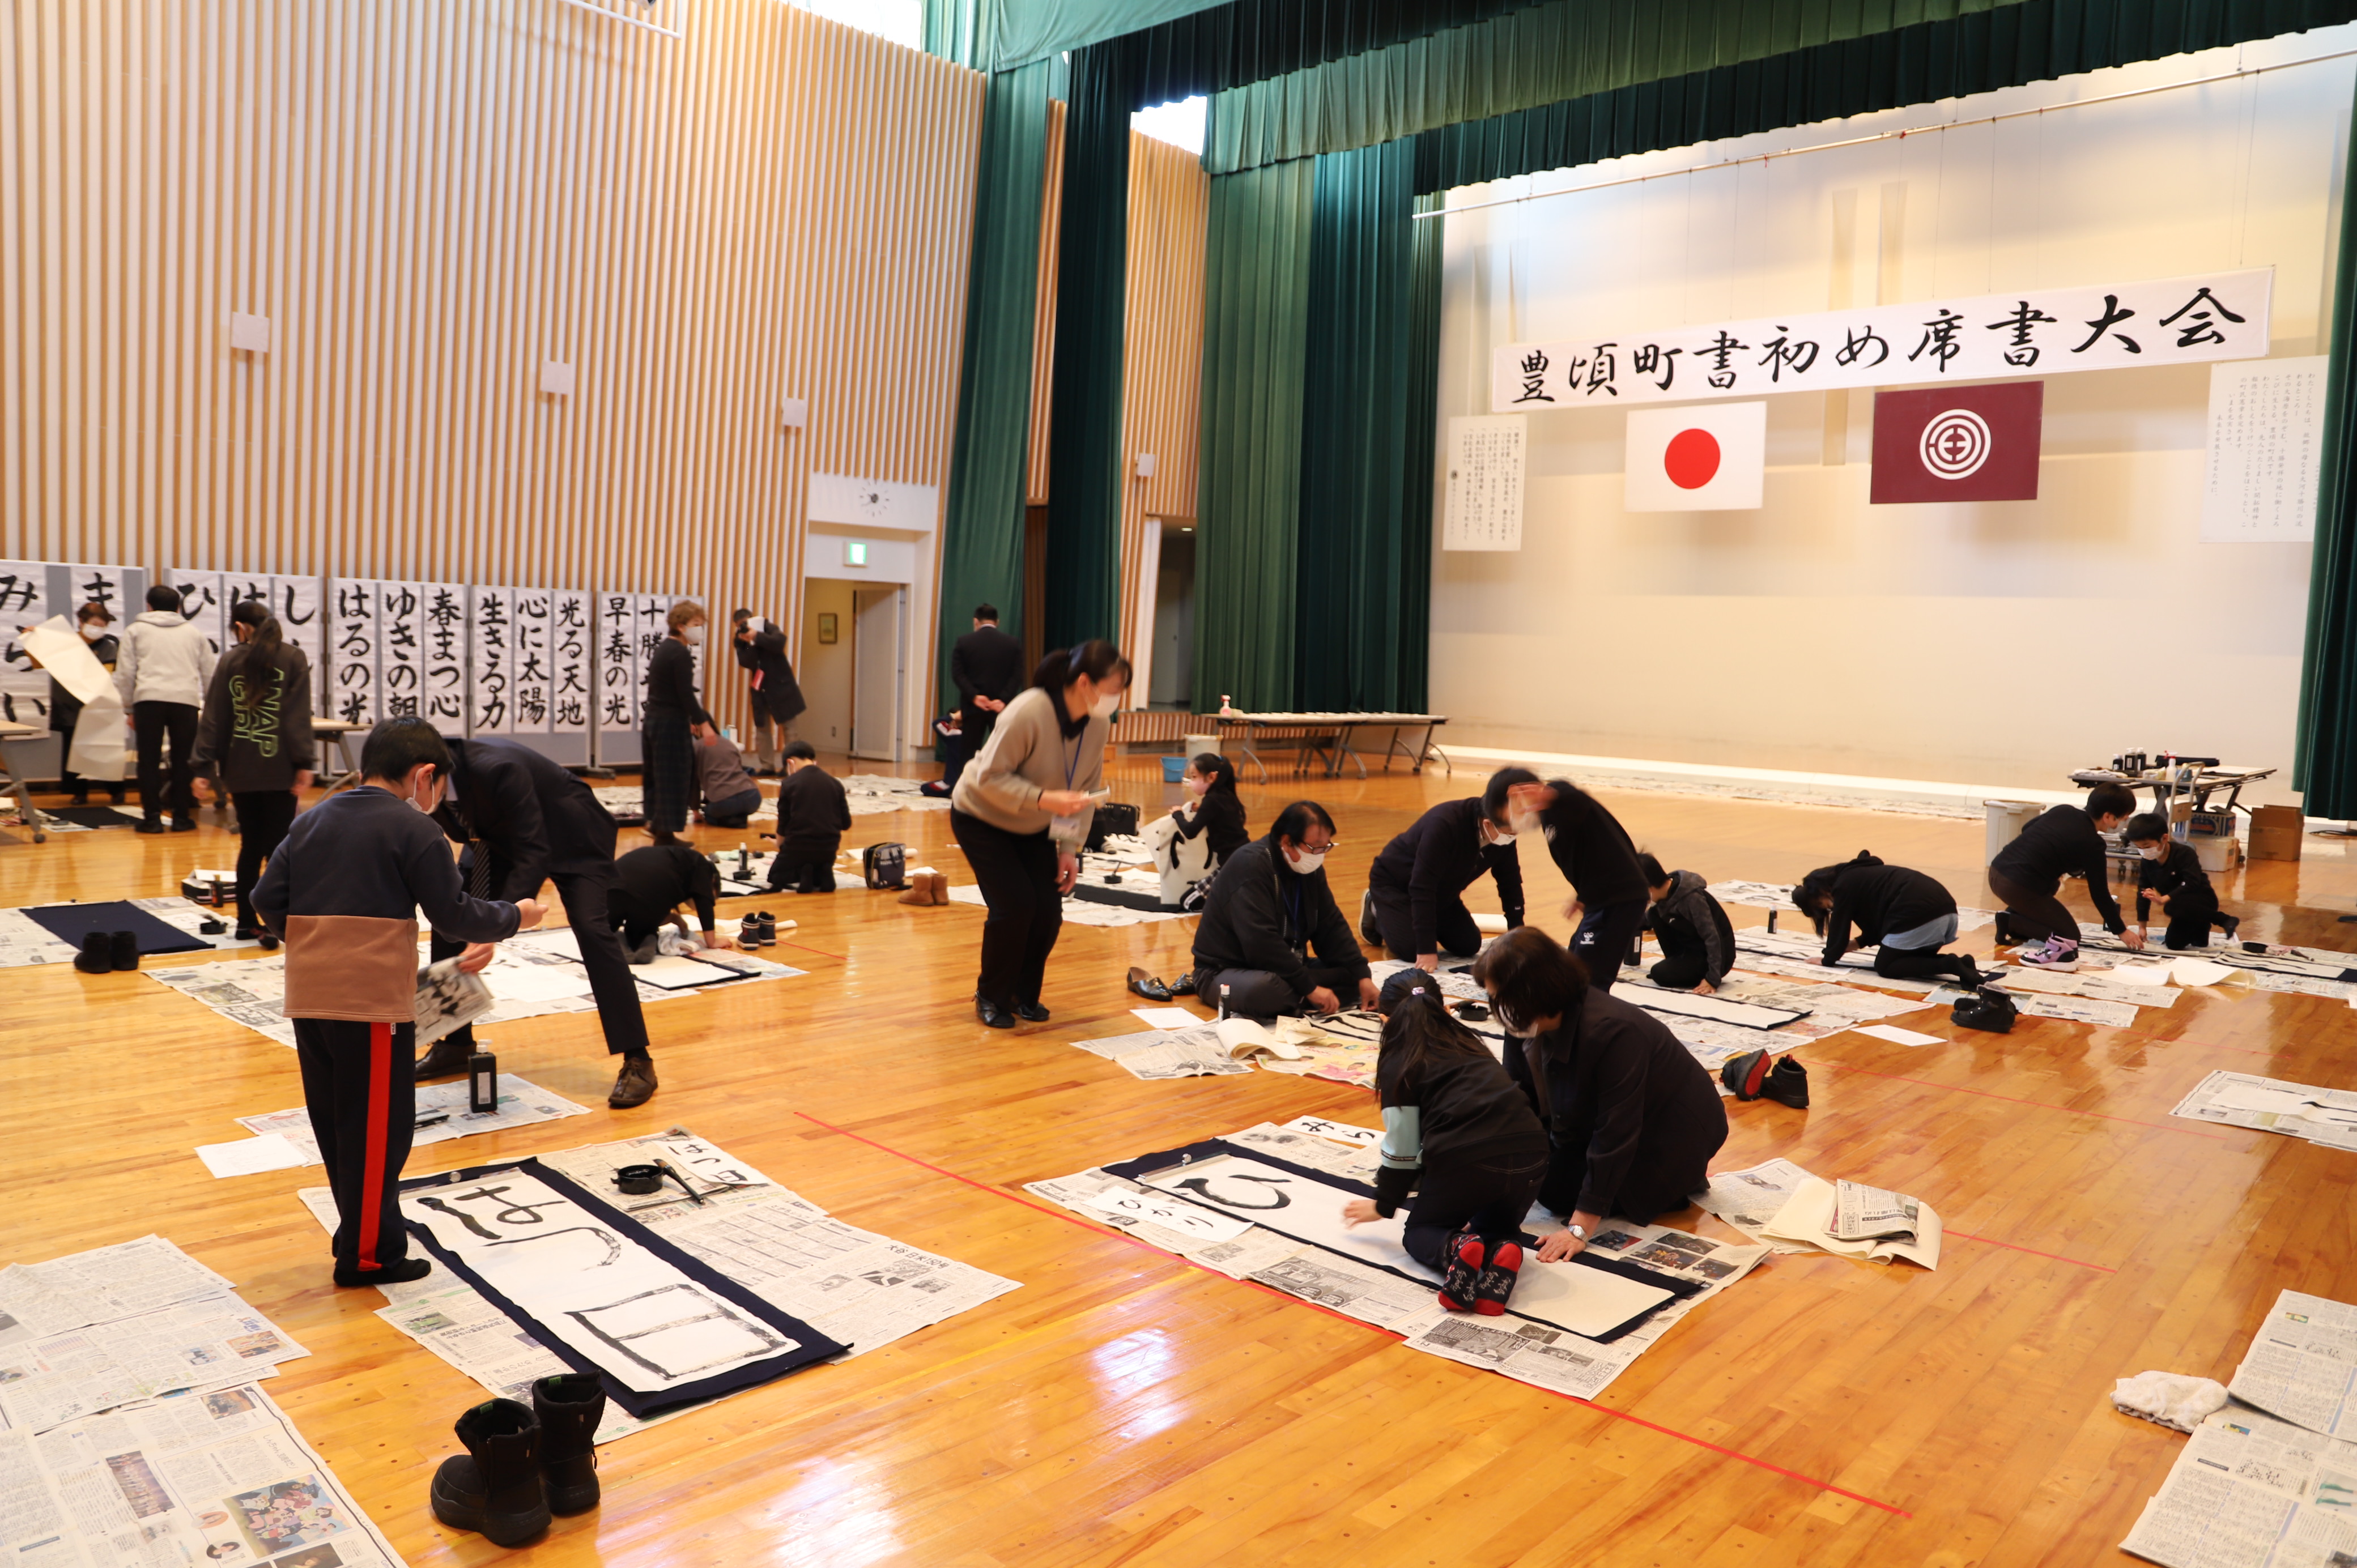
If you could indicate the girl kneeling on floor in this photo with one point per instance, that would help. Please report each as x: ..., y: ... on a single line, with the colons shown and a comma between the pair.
x: 1462, y: 1134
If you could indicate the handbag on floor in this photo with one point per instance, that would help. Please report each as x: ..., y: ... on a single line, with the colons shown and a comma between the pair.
x: 1114, y: 819
x: 884, y: 865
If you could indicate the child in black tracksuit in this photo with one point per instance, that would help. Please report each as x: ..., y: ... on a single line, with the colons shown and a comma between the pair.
x: 1462, y: 1134
x: 1697, y: 939
x: 343, y: 891
x: 2170, y: 875
x: 1904, y: 916
x: 814, y: 813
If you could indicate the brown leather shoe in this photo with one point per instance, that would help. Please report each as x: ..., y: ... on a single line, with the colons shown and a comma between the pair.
x: 446, y: 1058
x: 635, y: 1085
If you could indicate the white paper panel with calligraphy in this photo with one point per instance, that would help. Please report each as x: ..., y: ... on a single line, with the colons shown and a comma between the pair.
x: 2110, y: 326
x: 351, y: 676
x: 24, y: 601
x: 400, y: 648
x: 442, y: 697
x: 1484, y: 509
x: 571, y: 661
x: 2266, y: 446
x: 490, y: 662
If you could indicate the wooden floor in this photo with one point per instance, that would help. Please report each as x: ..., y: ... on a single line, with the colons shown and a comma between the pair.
x: 1125, y: 1407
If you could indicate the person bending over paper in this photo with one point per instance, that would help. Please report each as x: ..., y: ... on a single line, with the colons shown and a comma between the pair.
x: 1903, y: 915
x: 650, y: 885
x: 343, y: 891
x: 814, y: 813
x: 1632, y: 1119
x: 1267, y: 910
x: 1416, y: 890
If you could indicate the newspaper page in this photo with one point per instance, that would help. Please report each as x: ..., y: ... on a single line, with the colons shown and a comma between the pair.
x: 99, y: 1286
x: 2246, y: 1488
x: 1356, y: 1161
x: 1157, y: 1055
x: 2325, y: 1116
x: 2299, y: 1364
x: 220, y: 1477
x: 522, y: 1103
x: 1749, y: 1199
x: 46, y: 1382
x: 1863, y: 1213
x: 448, y: 998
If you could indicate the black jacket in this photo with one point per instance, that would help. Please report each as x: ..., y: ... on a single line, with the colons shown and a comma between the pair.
x: 1590, y: 848
x: 659, y: 878
x: 537, y: 819
x: 987, y: 663
x: 1690, y: 918
x: 764, y: 653
x: 2062, y: 841
x: 1221, y: 815
x: 1434, y: 862
x: 262, y: 744
x: 2177, y: 874
x: 1879, y: 899
x: 1260, y: 914
x: 813, y: 812
x: 1469, y: 1109
x: 1631, y: 1116
x: 670, y: 682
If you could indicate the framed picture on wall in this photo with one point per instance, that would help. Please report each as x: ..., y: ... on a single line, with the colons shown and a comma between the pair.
x: 827, y: 625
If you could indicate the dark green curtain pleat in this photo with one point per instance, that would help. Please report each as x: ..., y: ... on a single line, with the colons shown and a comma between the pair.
x: 2035, y: 40
x: 962, y: 31
x: 1249, y: 40
x: 2324, y: 754
x: 1412, y: 640
x: 1355, y: 435
x: 1565, y: 49
x: 982, y: 532
x: 1248, y: 486
x: 1084, y: 446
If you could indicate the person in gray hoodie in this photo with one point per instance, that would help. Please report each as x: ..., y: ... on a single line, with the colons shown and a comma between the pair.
x: 164, y: 667
x: 1697, y: 939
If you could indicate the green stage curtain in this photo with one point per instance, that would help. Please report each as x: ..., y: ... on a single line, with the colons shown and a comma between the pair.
x: 2035, y: 40
x: 2324, y: 755
x: 1565, y: 49
x: 982, y: 534
x: 1084, y: 446
x: 1255, y: 315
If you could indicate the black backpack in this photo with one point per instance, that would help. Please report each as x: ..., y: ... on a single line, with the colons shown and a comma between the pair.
x: 885, y: 865
x: 1114, y: 819
x: 1989, y: 1008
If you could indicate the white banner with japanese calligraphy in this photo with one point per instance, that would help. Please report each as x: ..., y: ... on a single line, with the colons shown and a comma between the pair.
x: 400, y: 648
x: 1484, y: 507
x: 654, y: 625
x: 350, y: 677
x: 2111, y: 326
x: 492, y: 663
x: 531, y: 681
x: 2267, y: 451
x: 204, y: 599
x: 24, y: 602
x: 442, y: 692
x: 302, y: 620
x: 617, y: 661
x: 109, y: 585
x: 572, y: 665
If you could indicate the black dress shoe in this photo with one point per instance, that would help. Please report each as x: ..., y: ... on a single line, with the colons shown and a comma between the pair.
x: 1148, y: 986
x: 989, y: 1013
x: 150, y: 827
x: 1031, y: 1012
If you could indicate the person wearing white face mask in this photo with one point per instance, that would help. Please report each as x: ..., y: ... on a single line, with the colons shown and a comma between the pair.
x: 2169, y: 874
x: 1215, y: 809
x: 1021, y: 811
x: 673, y: 716
x: 1610, y: 896
x: 65, y: 709
x: 1272, y: 940
x: 1415, y: 905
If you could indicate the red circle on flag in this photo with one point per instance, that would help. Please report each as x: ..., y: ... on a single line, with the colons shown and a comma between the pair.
x: 1691, y: 459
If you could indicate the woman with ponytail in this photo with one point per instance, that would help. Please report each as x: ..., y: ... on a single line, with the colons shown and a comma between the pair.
x: 1021, y: 811
x: 255, y: 741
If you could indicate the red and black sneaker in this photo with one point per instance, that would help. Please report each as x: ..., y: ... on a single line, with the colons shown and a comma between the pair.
x: 1497, y: 1280
x: 1460, y: 1286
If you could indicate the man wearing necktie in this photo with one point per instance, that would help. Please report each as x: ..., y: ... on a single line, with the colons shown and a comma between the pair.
x: 526, y: 821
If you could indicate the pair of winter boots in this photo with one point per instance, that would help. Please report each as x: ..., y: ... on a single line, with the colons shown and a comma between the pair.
x: 523, y: 1462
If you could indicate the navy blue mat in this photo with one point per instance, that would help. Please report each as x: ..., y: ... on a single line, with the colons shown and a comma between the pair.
x: 70, y: 922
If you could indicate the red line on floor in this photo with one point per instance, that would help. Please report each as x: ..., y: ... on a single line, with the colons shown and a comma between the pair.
x: 2016, y: 1100
x: 1993, y: 1242
x: 1069, y: 1217
x: 807, y: 948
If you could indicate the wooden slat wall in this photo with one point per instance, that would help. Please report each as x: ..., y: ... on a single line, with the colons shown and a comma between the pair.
x: 1043, y: 324
x: 428, y: 200
x: 1169, y: 207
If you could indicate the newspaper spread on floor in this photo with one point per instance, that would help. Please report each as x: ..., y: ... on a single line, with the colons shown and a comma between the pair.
x: 220, y: 1476
x: 1524, y: 1349
x: 530, y: 976
x: 2326, y: 1116
x: 1778, y: 895
x: 2298, y: 1365
x: 94, y: 1331
x: 25, y: 940
x: 1749, y: 1199
x: 857, y: 1287
x: 522, y: 1103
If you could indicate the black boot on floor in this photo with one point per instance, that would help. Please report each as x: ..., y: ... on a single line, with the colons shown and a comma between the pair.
x: 1787, y: 1083
x: 124, y: 948
x: 496, y: 1487
x: 97, y: 955
x: 569, y: 1407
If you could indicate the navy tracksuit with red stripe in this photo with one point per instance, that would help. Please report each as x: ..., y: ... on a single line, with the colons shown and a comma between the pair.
x: 344, y: 890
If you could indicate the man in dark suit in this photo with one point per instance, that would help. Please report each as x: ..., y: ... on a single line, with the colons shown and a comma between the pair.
x: 987, y: 666
x: 761, y: 647
x: 526, y: 821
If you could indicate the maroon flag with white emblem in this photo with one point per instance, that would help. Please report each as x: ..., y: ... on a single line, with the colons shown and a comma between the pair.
x: 1958, y: 444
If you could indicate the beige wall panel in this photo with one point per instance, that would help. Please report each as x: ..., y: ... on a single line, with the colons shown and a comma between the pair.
x: 1043, y: 325
x: 1169, y: 206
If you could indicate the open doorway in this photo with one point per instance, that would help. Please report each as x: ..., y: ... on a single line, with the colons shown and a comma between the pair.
x: 1171, y: 684
x: 853, y: 668
x: 878, y: 673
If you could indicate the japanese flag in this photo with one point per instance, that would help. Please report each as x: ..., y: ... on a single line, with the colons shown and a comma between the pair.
x: 1710, y: 458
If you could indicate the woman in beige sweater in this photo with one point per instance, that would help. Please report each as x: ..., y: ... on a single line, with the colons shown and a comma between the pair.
x: 1021, y: 811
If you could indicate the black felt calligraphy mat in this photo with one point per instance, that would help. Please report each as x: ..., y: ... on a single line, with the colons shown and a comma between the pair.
x: 71, y: 922
x: 810, y: 1345
x: 1139, y: 1168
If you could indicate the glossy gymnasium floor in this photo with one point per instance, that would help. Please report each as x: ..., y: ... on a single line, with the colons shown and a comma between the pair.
x: 1125, y: 1407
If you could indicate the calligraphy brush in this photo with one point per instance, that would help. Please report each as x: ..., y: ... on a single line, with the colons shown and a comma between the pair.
x: 667, y: 1169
